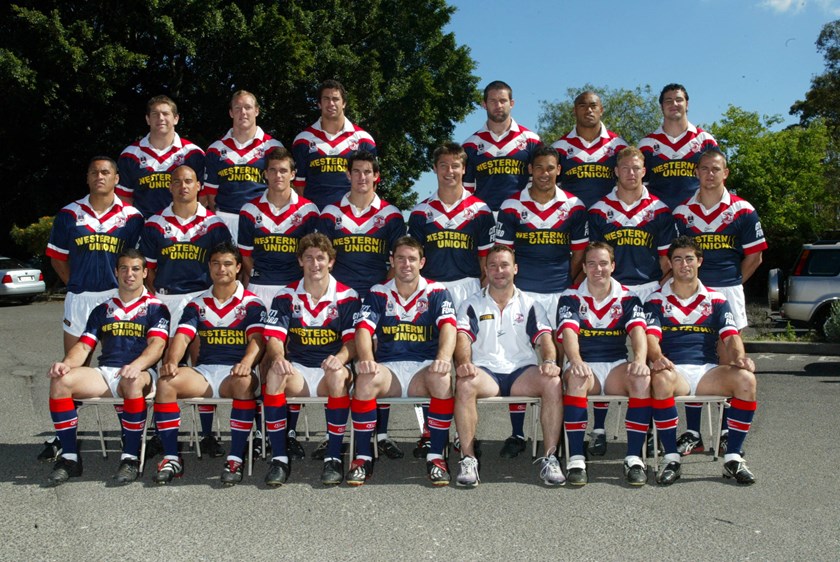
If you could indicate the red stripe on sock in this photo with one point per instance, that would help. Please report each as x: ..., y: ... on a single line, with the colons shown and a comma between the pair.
x: 441, y: 405
x: 244, y: 404
x: 62, y: 404
x: 338, y: 402
x: 294, y: 407
x: 579, y: 401
x: 167, y: 407
x: 206, y: 409
x: 362, y: 406
x: 275, y: 400
x: 134, y: 405
x: 743, y: 404
x: 664, y: 403
x: 640, y: 402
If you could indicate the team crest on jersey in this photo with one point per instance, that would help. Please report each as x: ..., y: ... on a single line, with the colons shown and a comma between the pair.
x: 521, y: 143
x: 480, y: 147
x: 338, y: 224
x: 656, y: 148
x: 167, y: 230
x: 143, y: 160
x: 689, y: 219
x: 669, y: 308
x: 610, y: 215
x: 694, y: 145
x: 297, y: 311
x: 313, y: 147
x: 430, y: 216
x: 141, y: 311
x: 648, y: 216
x: 523, y: 216
x: 615, y: 311
x: 519, y: 318
x: 332, y: 312
x: 202, y: 228
x: 562, y: 214
x: 469, y: 214
x: 240, y: 312
x: 179, y: 159
x: 728, y: 217
x: 583, y: 310
x: 706, y: 308
x: 296, y: 219
x: 422, y: 305
x: 379, y: 221
x: 258, y: 220
x: 390, y: 308
x: 570, y: 152
x: 80, y: 219
x: 260, y: 152
x: 609, y: 151
x: 202, y: 313
x: 223, y: 153
x: 109, y: 312
x: 354, y: 145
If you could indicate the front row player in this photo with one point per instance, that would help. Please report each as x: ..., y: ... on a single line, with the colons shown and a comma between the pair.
x: 133, y: 327
x: 685, y: 320
x: 413, y: 321
x: 593, y: 323
x: 228, y: 320
x: 309, y: 336
x: 498, y: 329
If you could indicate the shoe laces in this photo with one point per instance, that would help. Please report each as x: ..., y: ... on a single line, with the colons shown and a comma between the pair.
x: 550, y: 463
x: 469, y: 466
x: 233, y: 466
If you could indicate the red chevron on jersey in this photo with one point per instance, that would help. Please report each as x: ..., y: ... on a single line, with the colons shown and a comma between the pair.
x: 692, y: 142
x: 456, y: 218
x: 717, y: 219
x: 230, y: 314
x: 231, y: 154
x: 268, y: 221
x: 587, y: 167
x: 171, y: 226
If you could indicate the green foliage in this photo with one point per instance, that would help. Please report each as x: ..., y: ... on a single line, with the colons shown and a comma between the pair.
x: 631, y: 114
x: 823, y: 99
x: 782, y: 173
x: 76, y: 75
x: 832, y: 324
x: 34, y: 237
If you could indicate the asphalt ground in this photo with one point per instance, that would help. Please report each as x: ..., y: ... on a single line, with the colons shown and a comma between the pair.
x: 790, y: 514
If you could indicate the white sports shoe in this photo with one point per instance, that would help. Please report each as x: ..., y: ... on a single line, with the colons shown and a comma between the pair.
x: 468, y: 473
x: 550, y: 471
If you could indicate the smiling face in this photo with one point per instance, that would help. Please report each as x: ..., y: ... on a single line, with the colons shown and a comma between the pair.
x: 131, y: 272
x: 501, y: 269
x: 449, y: 170
x: 161, y: 119
x: 674, y: 105
x: 316, y: 264
x: 332, y: 104
x: 685, y: 265
x: 224, y: 269
x: 362, y: 177
x: 544, y: 171
x: 407, y: 263
x: 599, y: 267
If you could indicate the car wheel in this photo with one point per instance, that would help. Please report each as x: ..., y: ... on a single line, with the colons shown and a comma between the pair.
x: 775, y: 289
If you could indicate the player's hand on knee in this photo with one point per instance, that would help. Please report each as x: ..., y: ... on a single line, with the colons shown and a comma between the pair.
x: 638, y: 369
x: 129, y: 372
x: 661, y: 364
x: 549, y: 370
x: 440, y: 367
x: 580, y: 369
x: 331, y: 363
x: 169, y: 369
x: 744, y: 363
x: 58, y: 370
x: 240, y: 370
x: 281, y: 367
x: 366, y: 368
x: 466, y: 370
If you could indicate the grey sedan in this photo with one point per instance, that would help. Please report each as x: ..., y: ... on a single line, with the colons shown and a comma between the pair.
x: 18, y: 281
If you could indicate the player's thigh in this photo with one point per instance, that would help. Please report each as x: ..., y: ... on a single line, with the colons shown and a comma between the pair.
x: 135, y: 388
x: 81, y: 382
x: 188, y: 383
x: 238, y: 387
x: 383, y: 383
x: 726, y: 380
x: 482, y: 385
x: 620, y: 382
x: 426, y: 383
x: 532, y: 383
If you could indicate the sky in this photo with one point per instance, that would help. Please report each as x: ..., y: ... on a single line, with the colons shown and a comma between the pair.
x: 759, y: 55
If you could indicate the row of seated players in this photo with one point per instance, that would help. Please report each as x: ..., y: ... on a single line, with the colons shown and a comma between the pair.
x: 363, y: 227
x: 316, y: 327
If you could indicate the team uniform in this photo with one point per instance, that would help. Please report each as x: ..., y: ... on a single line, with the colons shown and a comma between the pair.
x: 726, y: 233
x: 362, y: 239
x: 543, y: 237
x: 497, y: 165
x: 145, y: 172
x: 670, y: 163
x: 123, y: 328
x: 235, y: 173
x: 588, y: 168
x: 270, y: 237
x: 503, y: 340
x: 91, y: 243
x: 639, y: 233
x: 178, y: 251
x: 321, y: 160
x: 453, y: 239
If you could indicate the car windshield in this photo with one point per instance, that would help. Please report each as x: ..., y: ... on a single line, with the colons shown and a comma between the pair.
x: 10, y: 263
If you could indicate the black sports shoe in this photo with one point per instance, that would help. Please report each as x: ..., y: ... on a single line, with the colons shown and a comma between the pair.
x: 422, y: 447
x: 256, y: 444
x: 438, y: 472
x: 128, y: 471
x: 211, y: 447
x: 724, y: 443
x: 389, y: 448
x: 321, y: 450
x: 63, y: 470
x: 739, y: 471
x: 635, y: 475
x: 168, y: 469
x: 576, y: 476
x: 598, y: 444
x: 669, y: 474
x: 154, y: 447
x: 51, y: 451
x: 278, y: 473
x: 293, y: 447
x: 689, y: 443
x: 231, y: 473
x: 333, y: 473
x: 360, y: 471
x: 653, y: 449
x: 512, y: 447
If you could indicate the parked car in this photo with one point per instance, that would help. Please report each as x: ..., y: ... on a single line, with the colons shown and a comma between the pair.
x: 19, y: 282
x: 804, y: 296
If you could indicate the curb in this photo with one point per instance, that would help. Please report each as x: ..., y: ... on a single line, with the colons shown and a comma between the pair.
x: 792, y: 348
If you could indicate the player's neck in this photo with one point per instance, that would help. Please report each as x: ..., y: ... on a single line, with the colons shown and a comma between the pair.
x: 185, y: 210
x: 628, y: 196
x: 361, y: 200
x: 588, y: 134
x: 540, y: 196
x: 674, y: 128
x: 501, y: 296
x: 101, y: 203
x: 332, y: 125
x: 450, y: 195
x: 316, y: 288
x: 223, y: 292
x: 161, y: 141
x: 244, y: 135
x: 128, y: 295
x: 499, y: 128
x: 279, y: 198
x: 405, y: 290
x: 599, y: 291
x: 710, y: 197
x: 685, y: 289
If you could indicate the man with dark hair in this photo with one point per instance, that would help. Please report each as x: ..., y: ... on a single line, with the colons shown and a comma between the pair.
x: 133, y: 328
x: 498, y: 330
x: 587, y: 153
x: 685, y: 321
x: 229, y: 322
x: 235, y: 163
x: 498, y: 154
x: 321, y: 150
x: 146, y: 166
x: 672, y: 151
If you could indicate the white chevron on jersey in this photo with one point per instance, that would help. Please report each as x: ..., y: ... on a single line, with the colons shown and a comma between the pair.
x: 182, y: 230
x: 716, y: 219
x: 690, y: 142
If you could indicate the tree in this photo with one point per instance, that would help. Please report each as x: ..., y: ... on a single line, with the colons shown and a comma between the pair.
x: 76, y: 76
x: 632, y: 114
x: 782, y: 173
x: 823, y: 99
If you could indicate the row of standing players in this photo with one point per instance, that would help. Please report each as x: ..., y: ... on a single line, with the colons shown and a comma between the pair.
x: 455, y: 227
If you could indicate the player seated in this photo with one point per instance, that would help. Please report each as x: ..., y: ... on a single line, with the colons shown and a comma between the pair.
x: 685, y: 320
x: 309, y: 343
x: 498, y: 329
x: 133, y: 328
x: 594, y: 321
x: 413, y: 321
x: 228, y: 321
